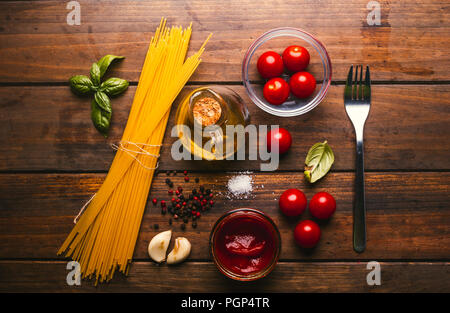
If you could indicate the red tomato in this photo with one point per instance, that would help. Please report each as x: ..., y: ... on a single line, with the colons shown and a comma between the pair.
x: 302, y: 84
x: 281, y: 137
x: 276, y: 91
x: 307, y: 234
x: 270, y: 64
x: 295, y: 58
x: 322, y: 205
x: 292, y: 202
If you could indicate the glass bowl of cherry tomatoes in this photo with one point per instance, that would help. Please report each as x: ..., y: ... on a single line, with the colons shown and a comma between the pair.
x: 286, y: 72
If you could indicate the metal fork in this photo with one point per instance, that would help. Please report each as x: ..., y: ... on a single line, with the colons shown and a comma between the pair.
x: 357, y: 105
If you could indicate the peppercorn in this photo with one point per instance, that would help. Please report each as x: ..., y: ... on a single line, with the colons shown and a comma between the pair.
x: 171, y: 185
x: 211, y: 202
x: 170, y: 221
x: 170, y: 192
x: 185, y: 172
x: 163, y: 211
x: 156, y: 226
x: 185, y: 220
x: 167, y: 180
x: 194, y: 224
x: 186, y: 178
x: 167, y: 173
x: 180, y: 189
x: 183, y: 226
x: 197, y: 180
x: 155, y: 201
x: 194, y: 191
x: 175, y: 216
x: 202, y: 189
x: 163, y: 203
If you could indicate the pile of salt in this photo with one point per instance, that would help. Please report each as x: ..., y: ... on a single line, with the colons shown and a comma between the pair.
x: 240, y: 186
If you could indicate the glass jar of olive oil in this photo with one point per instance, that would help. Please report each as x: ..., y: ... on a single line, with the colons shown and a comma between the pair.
x: 202, y: 119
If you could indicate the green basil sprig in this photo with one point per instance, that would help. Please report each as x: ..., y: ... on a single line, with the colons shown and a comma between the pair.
x: 318, y: 161
x: 101, y: 109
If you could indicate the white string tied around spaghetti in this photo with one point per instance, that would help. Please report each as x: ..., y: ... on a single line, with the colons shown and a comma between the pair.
x: 142, y: 151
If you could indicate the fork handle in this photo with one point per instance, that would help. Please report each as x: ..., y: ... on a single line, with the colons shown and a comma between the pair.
x: 359, y: 207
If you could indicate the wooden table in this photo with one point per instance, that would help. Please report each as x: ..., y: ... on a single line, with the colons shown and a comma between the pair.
x: 52, y: 159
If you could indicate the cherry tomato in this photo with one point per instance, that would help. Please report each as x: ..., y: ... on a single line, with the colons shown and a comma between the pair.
x: 295, y: 58
x: 307, y: 234
x: 281, y: 137
x: 292, y: 202
x: 302, y: 84
x: 270, y: 64
x: 276, y: 91
x: 322, y: 205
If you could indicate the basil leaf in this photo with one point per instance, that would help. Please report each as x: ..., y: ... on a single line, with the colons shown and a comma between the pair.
x: 114, y: 86
x: 100, y: 118
x: 103, y: 101
x: 95, y: 74
x: 106, y: 61
x: 318, y: 161
x: 80, y: 84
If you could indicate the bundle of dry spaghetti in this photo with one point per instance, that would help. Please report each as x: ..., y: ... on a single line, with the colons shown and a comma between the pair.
x: 104, y: 237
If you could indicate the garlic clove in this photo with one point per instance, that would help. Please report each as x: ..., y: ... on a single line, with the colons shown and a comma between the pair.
x: 157, y: 247
x: 180, y: 252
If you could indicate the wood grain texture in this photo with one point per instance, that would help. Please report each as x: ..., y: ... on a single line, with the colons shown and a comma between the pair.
x: 37, y: 45
x: 42, y: 276
x: 49, y: 128
x: 408, y: 214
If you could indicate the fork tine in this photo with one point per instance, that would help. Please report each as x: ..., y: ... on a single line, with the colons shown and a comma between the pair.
x: 360, y: 90
x: 348, y: 84
x: 355, y: 84
x: 367, y: 85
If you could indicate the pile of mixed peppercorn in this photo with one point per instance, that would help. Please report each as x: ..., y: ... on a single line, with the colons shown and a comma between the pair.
x: 186, y: 206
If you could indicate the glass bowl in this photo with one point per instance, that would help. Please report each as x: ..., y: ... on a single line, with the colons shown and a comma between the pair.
x: 277, y: 40
x: 243, y: 215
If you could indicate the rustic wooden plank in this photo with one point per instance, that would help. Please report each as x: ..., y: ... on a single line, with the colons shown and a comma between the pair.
x: 408, y: 213
x: 49, y: 128
x: 37, y: 45
x: 45, y: 276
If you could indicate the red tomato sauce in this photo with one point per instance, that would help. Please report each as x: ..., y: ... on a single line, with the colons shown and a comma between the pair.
x: 245, y: 244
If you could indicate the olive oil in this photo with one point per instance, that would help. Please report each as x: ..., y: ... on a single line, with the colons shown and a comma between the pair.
x: 203, y: 121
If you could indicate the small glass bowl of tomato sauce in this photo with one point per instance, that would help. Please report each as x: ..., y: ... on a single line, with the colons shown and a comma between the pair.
x: 245, y: 244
